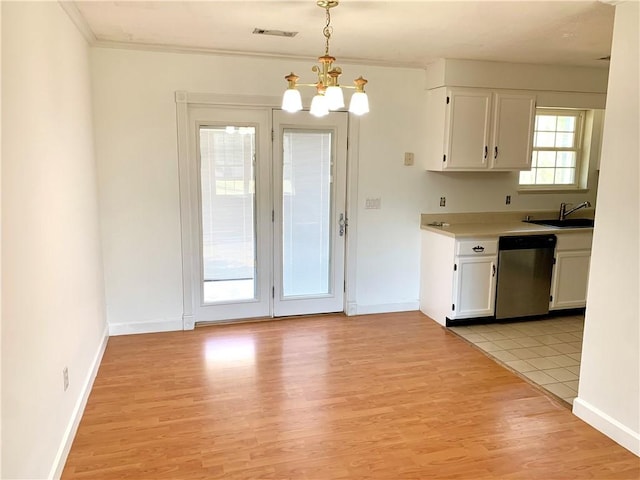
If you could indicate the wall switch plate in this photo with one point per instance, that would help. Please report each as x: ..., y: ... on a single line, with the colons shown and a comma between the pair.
x: 373, y: 204
x: 507, y: 200
x: 408, y: 158
x: 65, y: 378
x: 443, y: 201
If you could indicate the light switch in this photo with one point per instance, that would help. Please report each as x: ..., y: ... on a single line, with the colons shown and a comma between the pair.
x: 408, y: 158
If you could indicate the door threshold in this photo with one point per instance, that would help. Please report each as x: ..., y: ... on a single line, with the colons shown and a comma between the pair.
x: 234, y: 321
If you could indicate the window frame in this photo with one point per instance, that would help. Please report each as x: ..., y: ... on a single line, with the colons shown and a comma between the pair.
x: 578, y: 148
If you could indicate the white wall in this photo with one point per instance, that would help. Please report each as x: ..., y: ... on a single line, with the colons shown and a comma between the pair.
x: 52, y: 289
x: 609, y: 393
x: 135, y: 124
x: 0, y: 244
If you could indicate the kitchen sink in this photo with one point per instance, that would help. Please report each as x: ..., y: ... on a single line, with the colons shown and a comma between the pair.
x: 566, y: 223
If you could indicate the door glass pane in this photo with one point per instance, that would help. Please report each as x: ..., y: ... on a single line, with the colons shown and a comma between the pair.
x: 306, y: 212
x: 228, y: 213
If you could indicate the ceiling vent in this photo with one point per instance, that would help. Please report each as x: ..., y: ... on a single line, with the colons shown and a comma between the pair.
x: 275, y: 33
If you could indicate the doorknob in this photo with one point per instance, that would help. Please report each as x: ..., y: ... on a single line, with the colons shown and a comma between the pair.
x: 342, y: 223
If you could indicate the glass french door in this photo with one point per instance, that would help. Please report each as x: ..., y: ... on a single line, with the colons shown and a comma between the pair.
x: 309, y: 212
x: 232, y: 151
x: 269, y: 238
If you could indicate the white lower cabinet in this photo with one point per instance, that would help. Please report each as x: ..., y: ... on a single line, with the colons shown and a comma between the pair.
x: 458, y: 277
x: 474, y: 286
x: 571, y: 271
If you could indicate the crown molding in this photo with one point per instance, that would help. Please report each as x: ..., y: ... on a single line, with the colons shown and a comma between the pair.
x: 240, y: 53
x: 70, y: 7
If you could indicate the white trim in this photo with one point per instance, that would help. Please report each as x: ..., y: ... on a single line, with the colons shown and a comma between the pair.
x: 152, y: 326
x: 72, y: 427
x: 351, y: 249
x: 352, y: 308
x: 188, y: 252
x: 609, y: 426
x: 188, y: 322
x: 384, y: 308
x: 218, y: 99
x: 79, y: 21
x: 164, y: 48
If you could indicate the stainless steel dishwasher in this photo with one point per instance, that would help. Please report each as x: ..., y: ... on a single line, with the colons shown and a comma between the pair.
x: 525, y: 264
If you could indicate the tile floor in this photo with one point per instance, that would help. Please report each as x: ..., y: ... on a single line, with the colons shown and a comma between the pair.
x: 546, y: 351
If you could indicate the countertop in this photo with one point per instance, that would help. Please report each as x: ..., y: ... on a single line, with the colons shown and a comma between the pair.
x: 462, y: 230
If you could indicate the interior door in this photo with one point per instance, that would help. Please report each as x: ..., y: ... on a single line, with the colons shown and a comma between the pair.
x: 309, y: 215
x: 231, y: 148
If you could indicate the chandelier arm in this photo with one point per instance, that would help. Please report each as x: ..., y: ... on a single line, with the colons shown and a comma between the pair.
x: 315, y: 85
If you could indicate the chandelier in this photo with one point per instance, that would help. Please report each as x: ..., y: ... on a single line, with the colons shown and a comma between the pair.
x: 329, y: 94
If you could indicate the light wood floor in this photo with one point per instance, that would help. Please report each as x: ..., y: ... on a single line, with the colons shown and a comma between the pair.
x: 391, y: 396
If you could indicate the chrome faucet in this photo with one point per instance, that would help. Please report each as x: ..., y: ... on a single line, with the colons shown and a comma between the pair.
x: 564, y: 213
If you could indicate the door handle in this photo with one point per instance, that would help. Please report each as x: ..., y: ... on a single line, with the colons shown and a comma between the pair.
x: 486, y: 152
x: 342, y: 224
x: 495, y: 153
x: 493, y: 269
x: 478, y: 249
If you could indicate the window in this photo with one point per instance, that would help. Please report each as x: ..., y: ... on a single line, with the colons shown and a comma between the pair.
x: 556, y: 157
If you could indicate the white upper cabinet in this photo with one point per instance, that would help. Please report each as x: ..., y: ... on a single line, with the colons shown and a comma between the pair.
x: 513, y: 120
x: 470, y: 129
x: 467, y: 130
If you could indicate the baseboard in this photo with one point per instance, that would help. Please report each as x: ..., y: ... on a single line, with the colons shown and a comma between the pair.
x: 609, y: 426
x: 78, y: 410
x: 384, y: 308
x: 154, y: 326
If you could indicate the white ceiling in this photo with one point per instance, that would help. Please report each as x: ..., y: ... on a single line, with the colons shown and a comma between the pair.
x: 402, y: 33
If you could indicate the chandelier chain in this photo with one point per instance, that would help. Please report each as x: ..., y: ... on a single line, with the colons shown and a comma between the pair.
x: 327, y: 31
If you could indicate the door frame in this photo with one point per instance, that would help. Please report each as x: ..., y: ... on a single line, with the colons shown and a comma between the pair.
x: 188, y: 189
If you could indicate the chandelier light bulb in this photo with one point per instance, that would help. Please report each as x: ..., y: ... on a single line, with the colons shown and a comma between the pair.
x: 291, y: 100
x: 335, y: 98
x: 319, y: 106
x: 359, y: 104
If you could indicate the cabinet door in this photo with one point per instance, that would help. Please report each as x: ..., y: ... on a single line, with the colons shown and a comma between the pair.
x: 512, y: 138
x: 569, y: 280
x: 474, y: 288
x: 467, y: 133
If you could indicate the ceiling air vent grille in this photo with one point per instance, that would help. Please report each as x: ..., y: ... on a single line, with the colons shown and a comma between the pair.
x: 275, y: 33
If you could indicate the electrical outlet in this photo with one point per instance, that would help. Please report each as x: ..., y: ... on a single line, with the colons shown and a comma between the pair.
x: 65, y: 378
x: 507, y: 200
x: 443, y: 201
x: 373, y: 204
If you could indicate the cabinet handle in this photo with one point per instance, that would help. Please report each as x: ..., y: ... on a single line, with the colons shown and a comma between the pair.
x: 493, y: 269
x: 486, y: 152
x: 495, y: 153
x: 478, y: 248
